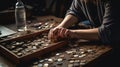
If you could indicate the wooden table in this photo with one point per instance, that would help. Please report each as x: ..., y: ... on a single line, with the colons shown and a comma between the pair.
x: 7, y: 63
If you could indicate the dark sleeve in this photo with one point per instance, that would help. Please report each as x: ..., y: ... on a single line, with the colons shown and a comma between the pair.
x: 109, y: 31
x: 76, y: 10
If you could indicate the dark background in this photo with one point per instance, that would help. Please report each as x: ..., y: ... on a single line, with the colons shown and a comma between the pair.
x: 40, y: 7
x: 56, y: 8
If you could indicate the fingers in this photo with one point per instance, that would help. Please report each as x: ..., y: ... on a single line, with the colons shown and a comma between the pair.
x: 53, y: 34
x: 62, y: 32
x: 50, y: 34
x: 57, y: 33
x: 67, y: 33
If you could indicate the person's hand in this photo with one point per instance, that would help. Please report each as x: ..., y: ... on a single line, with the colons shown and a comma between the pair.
x: 52, y: 35
x: 58, y: 33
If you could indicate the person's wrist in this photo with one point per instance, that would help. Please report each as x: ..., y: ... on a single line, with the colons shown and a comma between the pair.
x: 71, y: 34
x: 59, y: 27
x: 68, y: 34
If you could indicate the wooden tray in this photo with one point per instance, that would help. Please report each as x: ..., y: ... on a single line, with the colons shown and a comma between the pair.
x: 29, y: 56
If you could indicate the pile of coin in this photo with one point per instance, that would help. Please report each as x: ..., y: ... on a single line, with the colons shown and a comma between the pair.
x: 42, y: 26
x: 76, y: 56
x: 24, y: 47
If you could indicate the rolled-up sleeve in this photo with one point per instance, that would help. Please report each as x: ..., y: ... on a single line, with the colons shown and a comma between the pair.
x: 109, y: 31
x: 76, y: 10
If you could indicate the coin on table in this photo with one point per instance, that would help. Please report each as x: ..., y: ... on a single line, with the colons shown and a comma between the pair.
x: 46, y: 65
x: 19, y: 54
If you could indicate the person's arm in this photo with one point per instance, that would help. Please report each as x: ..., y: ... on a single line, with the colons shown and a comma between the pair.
x: 87, y: 34
x: 109, y: 31
x: 68, y: 21
x: 74, y: 14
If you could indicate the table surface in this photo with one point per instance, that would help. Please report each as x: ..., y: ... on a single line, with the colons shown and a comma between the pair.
x: 4, y: 62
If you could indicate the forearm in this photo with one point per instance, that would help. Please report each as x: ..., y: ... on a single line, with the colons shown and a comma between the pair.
x: 88, y: 34
x: 68, y: 21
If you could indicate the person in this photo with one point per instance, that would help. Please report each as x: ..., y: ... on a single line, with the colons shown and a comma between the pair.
x: 104, y: 18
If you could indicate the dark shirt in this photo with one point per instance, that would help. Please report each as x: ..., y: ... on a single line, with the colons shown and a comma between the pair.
x: 105, y: 15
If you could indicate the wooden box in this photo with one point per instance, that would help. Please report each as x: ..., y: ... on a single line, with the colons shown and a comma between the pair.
x: 8, y: 47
